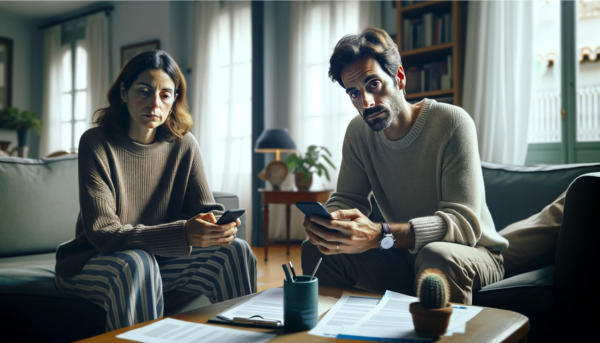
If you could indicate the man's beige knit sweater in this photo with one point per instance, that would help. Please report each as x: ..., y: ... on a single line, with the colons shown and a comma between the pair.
x: 135, y: 196
x: 431, y: 178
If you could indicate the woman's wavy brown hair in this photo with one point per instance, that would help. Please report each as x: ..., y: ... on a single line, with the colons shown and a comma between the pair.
x: 372, y: 42
x: 115, y: 118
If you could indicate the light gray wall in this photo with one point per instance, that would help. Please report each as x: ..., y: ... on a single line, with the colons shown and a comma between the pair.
x: 135, y: 22
x: 26, y: 76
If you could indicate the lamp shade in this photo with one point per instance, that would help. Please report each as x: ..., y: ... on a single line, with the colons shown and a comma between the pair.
x: 273, y: 140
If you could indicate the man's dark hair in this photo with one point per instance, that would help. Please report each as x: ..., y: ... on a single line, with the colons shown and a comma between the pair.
x: 372, y: 42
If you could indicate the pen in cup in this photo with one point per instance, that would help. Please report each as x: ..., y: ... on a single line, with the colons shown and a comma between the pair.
x: 287, y: 273
x: 315, y: 271
x: 292, y: 269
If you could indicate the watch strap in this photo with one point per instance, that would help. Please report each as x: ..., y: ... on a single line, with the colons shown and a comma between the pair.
x: 386, y: 229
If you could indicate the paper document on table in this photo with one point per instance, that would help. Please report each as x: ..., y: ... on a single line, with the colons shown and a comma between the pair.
x: 268, y: 305
x: 391, y: 320
x: 175, y: 331
x: 347, y: 311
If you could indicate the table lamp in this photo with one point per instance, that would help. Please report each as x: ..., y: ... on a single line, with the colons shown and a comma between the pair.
x: 277, y: 141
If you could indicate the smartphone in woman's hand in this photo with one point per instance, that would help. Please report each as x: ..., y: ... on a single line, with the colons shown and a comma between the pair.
x: 230, y: 216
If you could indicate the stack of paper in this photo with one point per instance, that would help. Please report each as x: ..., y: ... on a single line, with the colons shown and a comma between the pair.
x: 388, y: 318
x: 172, y: 330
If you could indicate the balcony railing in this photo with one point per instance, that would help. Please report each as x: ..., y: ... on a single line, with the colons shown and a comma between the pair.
x: 544, y: 123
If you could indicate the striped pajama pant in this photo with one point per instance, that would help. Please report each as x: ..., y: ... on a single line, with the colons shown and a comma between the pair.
x: 129, y: 284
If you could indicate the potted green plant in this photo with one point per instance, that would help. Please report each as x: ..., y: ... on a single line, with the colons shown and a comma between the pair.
x: 305, y: 166
x: 431, y: 314
x: 13, y: 119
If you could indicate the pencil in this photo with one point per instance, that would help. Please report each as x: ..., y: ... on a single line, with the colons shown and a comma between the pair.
x: 287, y: 273
x: 292, y: 269
x: 316, y: 267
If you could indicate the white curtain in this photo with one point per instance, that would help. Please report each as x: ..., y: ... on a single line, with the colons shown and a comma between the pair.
x: 52, y: 94
x: 96, y: 44
x: 319, y: 109
x: 223, y: 97
x: 498, y: 77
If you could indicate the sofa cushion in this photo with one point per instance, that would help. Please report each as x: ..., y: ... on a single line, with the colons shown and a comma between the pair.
x: 28, y: 291
x: 531, y: 294
x: 514, y: 193
x: 532, y: 241
x: 39, y: 204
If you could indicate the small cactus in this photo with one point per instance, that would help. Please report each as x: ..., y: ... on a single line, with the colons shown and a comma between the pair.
x: 433, y: 289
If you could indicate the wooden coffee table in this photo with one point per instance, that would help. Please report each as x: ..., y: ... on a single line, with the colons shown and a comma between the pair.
x: 490, y: 325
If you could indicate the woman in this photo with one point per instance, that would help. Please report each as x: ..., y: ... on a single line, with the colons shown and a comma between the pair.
x: 140, y: 173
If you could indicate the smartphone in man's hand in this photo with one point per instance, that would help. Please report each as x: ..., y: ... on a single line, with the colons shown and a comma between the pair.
x: 313, y: 208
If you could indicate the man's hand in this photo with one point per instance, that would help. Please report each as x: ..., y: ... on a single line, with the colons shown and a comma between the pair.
x: 357, y: 235
x: 201, y: 231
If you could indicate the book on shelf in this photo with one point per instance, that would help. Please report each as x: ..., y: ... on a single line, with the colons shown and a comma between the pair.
x: 428, y: 30
x: 433, y: 76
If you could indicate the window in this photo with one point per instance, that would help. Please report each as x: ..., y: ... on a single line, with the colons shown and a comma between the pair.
x: 320, y: 109
x: 74, y: 94
x: 565, y: 120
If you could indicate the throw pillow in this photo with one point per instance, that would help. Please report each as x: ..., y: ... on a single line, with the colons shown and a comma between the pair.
x: 533, y: 241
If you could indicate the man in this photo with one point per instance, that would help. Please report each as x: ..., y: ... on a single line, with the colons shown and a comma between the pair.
x: 421, y: 163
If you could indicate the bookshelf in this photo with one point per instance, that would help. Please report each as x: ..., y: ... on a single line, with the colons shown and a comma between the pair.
x: 430, y: 38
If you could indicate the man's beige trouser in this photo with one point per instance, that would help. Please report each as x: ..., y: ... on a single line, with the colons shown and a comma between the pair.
x: 467, y: 268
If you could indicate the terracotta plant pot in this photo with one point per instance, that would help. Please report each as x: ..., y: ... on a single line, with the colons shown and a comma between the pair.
x: 430, y: 321
x: 303, y: 186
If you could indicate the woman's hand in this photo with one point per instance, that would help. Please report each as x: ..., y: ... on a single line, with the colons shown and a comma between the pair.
x: 201, y: 231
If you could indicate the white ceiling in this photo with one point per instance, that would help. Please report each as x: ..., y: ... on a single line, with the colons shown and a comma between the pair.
x: 39, y: 10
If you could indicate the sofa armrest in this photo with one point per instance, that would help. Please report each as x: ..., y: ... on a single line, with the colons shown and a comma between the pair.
x: 576, y: 253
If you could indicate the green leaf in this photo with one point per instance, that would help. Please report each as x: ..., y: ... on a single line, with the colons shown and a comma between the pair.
x: 327, y: 174
x: 329, y: 162
x: 326, y: 150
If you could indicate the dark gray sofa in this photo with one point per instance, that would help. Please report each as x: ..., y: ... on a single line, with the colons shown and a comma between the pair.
x: 38, y: 210
x: 546, y: 292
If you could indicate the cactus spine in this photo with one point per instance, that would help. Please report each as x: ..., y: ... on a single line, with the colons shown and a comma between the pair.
x: 433, y: 289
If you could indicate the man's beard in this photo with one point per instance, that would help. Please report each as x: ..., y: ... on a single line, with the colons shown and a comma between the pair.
x: 388, y: 113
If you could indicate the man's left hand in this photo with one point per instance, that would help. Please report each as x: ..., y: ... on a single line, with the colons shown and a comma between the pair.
x: 354, y: 236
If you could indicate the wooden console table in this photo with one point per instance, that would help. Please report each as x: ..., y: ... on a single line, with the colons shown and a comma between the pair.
x: 288, y: 198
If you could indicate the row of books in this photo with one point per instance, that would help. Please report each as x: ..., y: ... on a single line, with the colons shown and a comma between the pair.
x: 430, y: 77
x: 430, y: 29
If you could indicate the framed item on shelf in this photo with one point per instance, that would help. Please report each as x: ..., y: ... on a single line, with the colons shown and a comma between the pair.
x: 128, y: 51
x: 6, y: 59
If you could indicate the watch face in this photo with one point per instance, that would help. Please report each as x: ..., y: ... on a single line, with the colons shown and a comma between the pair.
x: 277, y: 172
x: 387, y: 242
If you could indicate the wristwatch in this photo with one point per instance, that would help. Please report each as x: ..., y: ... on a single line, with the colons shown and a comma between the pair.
x: 388, y: 240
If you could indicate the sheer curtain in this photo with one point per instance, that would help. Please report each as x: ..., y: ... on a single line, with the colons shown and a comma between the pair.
x: 96, y: 44
x: 53, y: 86
x: 498, y: 81
x: 223, y: 97
x: 319, y: 109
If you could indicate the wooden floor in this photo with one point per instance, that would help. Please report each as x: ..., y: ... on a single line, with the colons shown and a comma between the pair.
x: 270, y: 273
